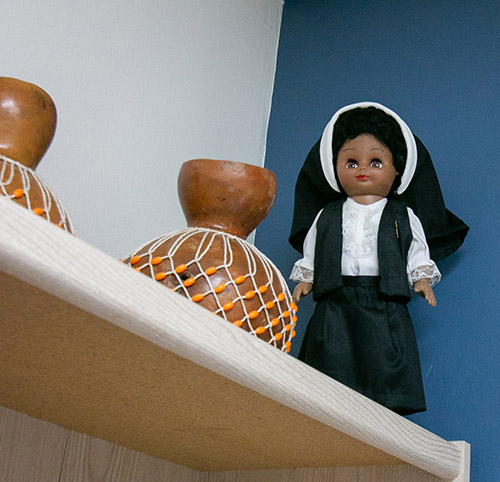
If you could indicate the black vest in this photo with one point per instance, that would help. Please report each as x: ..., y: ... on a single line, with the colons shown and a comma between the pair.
x: 394, y: 239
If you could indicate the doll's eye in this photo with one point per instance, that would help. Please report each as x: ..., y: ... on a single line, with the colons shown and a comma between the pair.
x: 376, y: 163
x: 351, y: 164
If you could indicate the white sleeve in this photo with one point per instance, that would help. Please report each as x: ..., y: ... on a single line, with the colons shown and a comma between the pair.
x: 303, y: 269
x: 420, y: 264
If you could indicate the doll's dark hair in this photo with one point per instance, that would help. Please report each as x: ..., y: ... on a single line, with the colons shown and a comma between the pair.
x: 382, y: 126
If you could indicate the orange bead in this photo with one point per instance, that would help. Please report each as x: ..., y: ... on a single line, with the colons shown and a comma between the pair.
x: 253, y: 314
x: 294, y: 319
x: 262, y: 289
x: 156, y: 260
x: 181, y: 268
x: 138, y: 269
x: 220, y: 288
x: 237, y: 323
x: 198, y: 297
x: 270, y: 305
x: 275, y: 321
x: 260, y: 330
x: 278, y: 336
x: 281, y: 296
x: 293, y: 306
x: 18, y: 193
x: 293, y: 334
x: 160, y: 276
x: 249, y: 295
x: 288, y: 346
x: 210, y: 271
x: 286, y: 314
x: 38, y: 211
x: 189, y: 282
x: 135, y: 260
x: 227, y: 306
x: 288, y: 327
x: 239, y: 279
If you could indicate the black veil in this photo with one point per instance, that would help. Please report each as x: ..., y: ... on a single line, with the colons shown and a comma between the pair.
x: 444, y: 231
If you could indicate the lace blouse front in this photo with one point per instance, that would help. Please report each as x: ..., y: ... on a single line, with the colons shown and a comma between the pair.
x: 360, y: 224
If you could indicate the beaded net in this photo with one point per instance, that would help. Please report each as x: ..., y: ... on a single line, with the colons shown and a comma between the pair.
x: 23, y: 186
x: 226, y: 275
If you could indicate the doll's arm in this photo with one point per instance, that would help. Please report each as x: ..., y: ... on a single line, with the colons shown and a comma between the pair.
x: 424, y: 289
x: 302, y: 289
x: 303, y: 270
x: 423, y: 273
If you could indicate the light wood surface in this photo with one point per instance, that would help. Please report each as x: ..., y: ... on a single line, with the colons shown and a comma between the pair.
x: 112, y: 354
x: 33, y: 450
x: 90, y: 459
x: 29, y: 447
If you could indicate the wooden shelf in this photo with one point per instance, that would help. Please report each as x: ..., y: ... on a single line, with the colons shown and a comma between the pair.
x: 91, y: 345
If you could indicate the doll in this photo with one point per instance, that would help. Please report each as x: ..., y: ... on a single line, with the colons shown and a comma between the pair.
x: 364, y: 248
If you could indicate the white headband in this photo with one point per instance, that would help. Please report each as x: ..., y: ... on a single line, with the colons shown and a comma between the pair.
x: 326, y: 150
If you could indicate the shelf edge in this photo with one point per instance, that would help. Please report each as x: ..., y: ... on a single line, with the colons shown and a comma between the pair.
x: 41, y: 254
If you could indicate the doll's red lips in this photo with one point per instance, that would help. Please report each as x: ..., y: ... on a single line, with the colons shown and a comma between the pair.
x: 362, y: 177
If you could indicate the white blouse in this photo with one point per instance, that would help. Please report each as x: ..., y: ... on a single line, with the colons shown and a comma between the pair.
x: 360, y: 224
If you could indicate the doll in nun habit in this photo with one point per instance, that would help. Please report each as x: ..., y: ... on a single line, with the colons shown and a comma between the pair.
x: 370, y: 220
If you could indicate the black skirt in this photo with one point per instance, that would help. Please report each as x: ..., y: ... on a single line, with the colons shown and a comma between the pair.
x: 367, y: 342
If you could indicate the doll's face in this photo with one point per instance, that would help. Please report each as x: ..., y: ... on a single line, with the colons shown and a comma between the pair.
x: 365, y: 168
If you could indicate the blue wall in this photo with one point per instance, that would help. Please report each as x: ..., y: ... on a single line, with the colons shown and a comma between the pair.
x: 437, y: 64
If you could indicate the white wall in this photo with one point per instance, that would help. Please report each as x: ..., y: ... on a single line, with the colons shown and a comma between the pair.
x: 140, y: 87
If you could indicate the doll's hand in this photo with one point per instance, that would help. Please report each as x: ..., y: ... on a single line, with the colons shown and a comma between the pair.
x: 423, y: 288
x: 302, y: 289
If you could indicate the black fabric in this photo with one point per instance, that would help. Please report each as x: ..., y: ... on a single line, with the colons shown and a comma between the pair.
x: 393, y: 243
x: 312, y: 193
x: 366, y: 341
x: 444, y: 231
x: 394, y: 239
x: 328, y: 251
